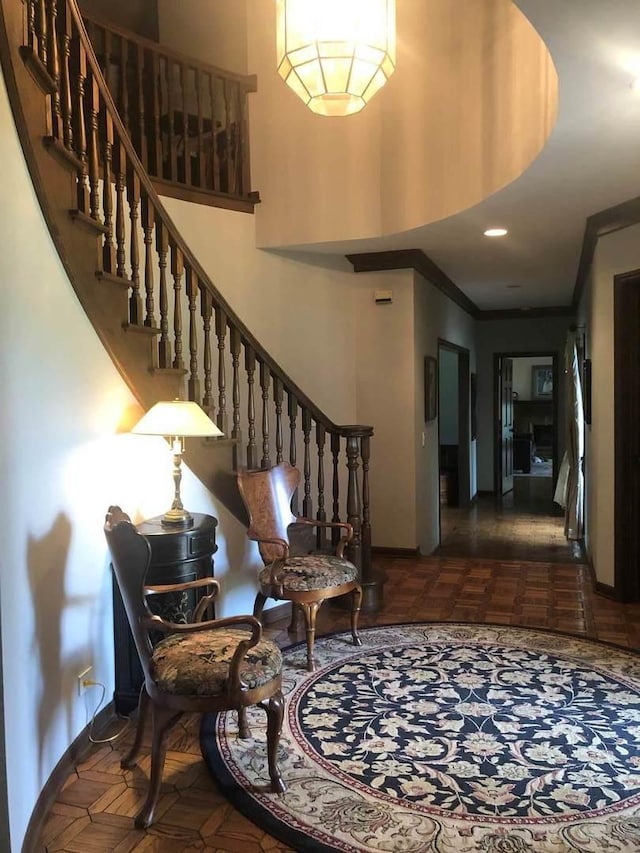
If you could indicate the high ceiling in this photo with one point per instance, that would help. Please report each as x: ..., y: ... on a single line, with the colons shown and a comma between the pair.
x: 591, y: 162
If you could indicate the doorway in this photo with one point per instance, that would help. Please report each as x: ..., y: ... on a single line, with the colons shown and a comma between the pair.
x: 526, y: 418
x: 626, y: 308
x: 454, y: 425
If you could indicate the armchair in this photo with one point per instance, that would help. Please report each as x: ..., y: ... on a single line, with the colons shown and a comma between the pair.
x: 305, y: 580
x: 205, y: 666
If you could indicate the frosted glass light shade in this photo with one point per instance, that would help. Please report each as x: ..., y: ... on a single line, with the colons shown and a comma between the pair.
x: 176, y: 418
x: 336, y: 54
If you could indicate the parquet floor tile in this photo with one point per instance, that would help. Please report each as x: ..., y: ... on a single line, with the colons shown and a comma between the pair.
x: 501, y: 562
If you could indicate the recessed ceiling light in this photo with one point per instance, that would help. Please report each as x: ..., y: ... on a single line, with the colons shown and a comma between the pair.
x: 495, y: 232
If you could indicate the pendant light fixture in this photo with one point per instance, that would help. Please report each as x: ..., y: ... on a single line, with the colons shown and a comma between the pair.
x: 336, y: 54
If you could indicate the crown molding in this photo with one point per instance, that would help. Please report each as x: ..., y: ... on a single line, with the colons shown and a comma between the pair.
x: 598, y: 224
x: 416, y: 259
x: 400, y: 259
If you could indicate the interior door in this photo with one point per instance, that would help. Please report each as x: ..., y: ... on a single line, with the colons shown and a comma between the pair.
x: 627, y: 435
x: 506, y: 424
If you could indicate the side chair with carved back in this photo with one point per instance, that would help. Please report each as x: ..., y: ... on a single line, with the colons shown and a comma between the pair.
x: 204, y: 666
x: 305, y: 580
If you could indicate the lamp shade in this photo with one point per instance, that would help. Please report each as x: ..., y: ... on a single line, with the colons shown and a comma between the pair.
x: 176, y: 418
x: 336, y: 54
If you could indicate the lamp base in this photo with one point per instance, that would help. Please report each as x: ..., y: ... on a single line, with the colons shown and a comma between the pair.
x: 177, y: 518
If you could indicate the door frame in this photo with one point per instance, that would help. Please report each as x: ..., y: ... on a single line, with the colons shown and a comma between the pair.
x: 626, y: 381
x: 497, y: 415
x: 464, y: 421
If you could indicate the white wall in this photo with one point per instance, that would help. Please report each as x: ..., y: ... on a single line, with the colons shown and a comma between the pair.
x: 615, y: 253
x: 436, y: 317
x: 64, y: 463
x: 298, y: 309
x: 522, y: 374
x: 489, y: 80
x: 386, y: 399
x: 213, y: 32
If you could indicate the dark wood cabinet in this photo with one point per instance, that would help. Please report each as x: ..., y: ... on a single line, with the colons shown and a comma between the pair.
x: 177, y: 555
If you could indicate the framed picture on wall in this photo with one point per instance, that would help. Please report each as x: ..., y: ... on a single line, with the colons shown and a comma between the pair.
x: 541, y: 382
x: 430, y: 387
x: 473, y: 388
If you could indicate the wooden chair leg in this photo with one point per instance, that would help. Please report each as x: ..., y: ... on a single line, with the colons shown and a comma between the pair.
x: 244, y: 732
x: 143, y: 707
x: 274, y: 707
x: 310, y: 610
x: 258, y: 605
x: 163, y: 720
x: 355, y: 613
x: 293, y: 624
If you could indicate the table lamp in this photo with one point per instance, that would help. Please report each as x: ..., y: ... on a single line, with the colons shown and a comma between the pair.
x: 176, y: 420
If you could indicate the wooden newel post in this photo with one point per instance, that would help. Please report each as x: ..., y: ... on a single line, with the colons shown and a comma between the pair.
x: 358, y: 515
x: 354, y: 550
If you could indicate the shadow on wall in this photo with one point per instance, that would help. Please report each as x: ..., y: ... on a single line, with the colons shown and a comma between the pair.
x: 47, y: 559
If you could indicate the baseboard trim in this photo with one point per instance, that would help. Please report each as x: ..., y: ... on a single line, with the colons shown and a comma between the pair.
x: 395, y: 552
x: 606, y: 590
x: 75, y: 753
x: 275, y: 614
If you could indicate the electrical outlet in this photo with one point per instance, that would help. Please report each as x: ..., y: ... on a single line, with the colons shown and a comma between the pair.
x: 83, y: 679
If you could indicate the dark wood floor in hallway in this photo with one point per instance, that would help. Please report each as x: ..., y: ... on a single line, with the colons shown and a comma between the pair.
x: 94, y: 810
x: 524, y: 524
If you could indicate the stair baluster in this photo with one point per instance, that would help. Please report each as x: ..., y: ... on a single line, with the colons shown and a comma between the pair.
x: 221, y: 334
x: 278, y: 398
x: 191, y: 288
x: 133, y: 197
x: 250, y: 367
x: 307, y: 503
x: 177, y: 269
x: 206, y: 304
x: 148, y: 217
x: 321, y: 515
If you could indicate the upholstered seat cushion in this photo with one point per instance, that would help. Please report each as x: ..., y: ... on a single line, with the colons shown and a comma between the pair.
x: 198, y: 664
x: 311, y: 571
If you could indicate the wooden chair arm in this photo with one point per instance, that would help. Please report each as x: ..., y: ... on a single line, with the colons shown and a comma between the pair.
x: 203, y: 603
x: 157, y: 623
x: 344, y: 540
x: 274, y: 580
x: 159, y: 589
x: 275, y: 541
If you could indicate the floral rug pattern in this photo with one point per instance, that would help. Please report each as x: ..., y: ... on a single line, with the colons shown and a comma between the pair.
x: 447, y: 737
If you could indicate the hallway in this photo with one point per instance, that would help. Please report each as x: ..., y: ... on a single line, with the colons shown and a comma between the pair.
x: 522, y: 525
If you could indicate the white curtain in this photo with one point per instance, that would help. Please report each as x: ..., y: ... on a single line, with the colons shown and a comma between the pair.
x: 569, y: 491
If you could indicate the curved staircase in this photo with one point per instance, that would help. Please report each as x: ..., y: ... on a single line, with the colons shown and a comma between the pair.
x: 161, y: 319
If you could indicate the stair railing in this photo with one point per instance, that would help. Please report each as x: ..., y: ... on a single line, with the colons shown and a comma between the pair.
x: 199, y: 337
x: 188, y: 120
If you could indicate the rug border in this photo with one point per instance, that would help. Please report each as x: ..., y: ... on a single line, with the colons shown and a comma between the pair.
x: 241, y: 799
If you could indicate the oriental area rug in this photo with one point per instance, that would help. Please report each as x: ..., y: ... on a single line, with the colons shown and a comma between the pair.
x: 447, y: 737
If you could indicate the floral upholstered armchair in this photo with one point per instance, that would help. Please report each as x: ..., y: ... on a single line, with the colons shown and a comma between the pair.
x: 206, y: 666
x: 305, y: 580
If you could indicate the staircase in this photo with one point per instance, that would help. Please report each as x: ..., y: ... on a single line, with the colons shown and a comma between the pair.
x: 164, y: 324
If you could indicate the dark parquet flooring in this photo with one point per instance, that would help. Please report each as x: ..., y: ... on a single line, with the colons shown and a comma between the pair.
x: 504, y: 562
